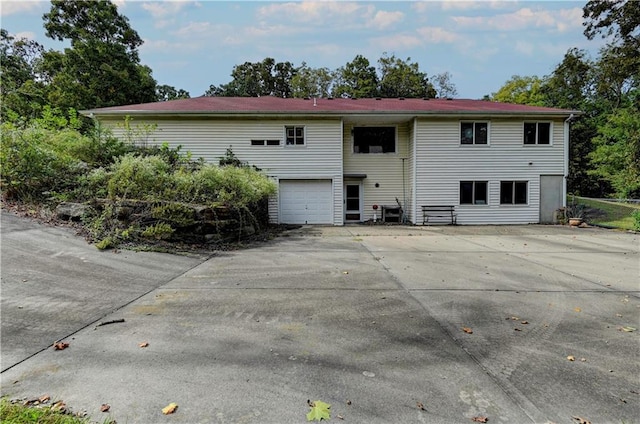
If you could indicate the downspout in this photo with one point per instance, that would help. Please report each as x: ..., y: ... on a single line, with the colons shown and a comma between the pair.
x: 566, y: 160
x: 414, y: 185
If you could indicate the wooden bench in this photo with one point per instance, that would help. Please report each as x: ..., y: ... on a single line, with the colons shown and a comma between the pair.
x: 439, y: 211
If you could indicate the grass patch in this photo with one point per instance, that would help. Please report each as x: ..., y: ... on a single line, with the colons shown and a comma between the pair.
x: 610, y: 214
x: 17, y: 413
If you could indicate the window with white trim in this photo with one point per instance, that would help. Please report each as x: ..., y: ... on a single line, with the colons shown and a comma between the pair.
x: 513, y: 192
x: 473, y: 192
x: 374, y: 139
x: 537, y: 133
x: 474, y: 133
x: 294, y: 135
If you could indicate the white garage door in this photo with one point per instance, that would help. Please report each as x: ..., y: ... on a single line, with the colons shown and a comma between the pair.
x: 306, y: 202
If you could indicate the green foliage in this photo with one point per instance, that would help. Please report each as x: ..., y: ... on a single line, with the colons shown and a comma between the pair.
x: 356, y: 79
x: 137, y: 177
x: 17, y: 413
x: 636, y: 220
x: 616, y: 156
x: 521, y: 90
x: 401, y: 78
x: 159, y: 231
x: 319, y: 411
x: 266, y: 78
x: 33, y: 162
x: 177, y: 213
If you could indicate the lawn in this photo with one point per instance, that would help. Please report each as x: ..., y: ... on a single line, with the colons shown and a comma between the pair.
x: 609, y: 214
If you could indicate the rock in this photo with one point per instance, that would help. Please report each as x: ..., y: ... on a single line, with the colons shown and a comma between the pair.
x: 71, y: 211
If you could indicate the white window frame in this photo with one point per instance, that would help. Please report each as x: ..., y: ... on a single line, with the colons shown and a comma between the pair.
x: 537, y: 143
x: 488, y: 123
x: 295, y: 138
x: 473, y: 193
x: 266, y: 142
x: 513, y: 192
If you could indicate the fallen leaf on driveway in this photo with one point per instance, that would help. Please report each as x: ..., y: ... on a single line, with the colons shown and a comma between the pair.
x: 105, y: 407
x: 170, y: 409
x: 60, y: 346
x: 627, y: 329
x: 480, y: 419
x: 421, y: 406
x: 581, y: 420
x: 571, y: 358
x: 143, y: 344
x: 59, y: 406
x: 577, y: 309
x: 524, y: 322
x: 44, y: 399
x: 319, y: 411
x: 467, y: 330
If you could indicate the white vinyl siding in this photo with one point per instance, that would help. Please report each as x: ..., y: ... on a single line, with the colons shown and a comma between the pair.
x: 319, y: 158
x: 442, y: 163
x: 384, y: 169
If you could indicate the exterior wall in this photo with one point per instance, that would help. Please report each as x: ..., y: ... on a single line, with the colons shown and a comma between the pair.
x: 442, y: 162
x: 382, y: 168
x: 319, y: 158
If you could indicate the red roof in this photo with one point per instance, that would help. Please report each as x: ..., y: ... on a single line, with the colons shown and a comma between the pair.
x: 276, y: 105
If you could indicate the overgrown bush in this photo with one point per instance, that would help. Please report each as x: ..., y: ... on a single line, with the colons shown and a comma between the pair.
x: 636, y: 220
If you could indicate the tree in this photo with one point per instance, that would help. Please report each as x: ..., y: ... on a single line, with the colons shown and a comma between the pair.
x: 616, y: 156
x: 311, y: 82
x: 443, y: 85
x: 401, y: 78
x: 620, y: 18
x: 357, y: 79
x: 102, y: 67
x: 23, y: 92
x: 521, y: 90
x: 167, y: 92
x: 253, y: 79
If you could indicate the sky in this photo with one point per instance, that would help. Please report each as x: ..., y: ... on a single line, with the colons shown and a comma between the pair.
x: 482, y: 44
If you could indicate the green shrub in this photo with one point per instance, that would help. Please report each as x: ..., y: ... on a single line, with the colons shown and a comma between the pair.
x: 32, y: 165
x: 159, y: 231
x: 136, y: 177
x: 636, y: 220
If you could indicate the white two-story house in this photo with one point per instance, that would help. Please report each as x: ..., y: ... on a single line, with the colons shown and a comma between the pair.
x: 335, y: 159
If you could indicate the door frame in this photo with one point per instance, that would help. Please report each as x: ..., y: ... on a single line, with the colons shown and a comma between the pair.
x: 360, y: 210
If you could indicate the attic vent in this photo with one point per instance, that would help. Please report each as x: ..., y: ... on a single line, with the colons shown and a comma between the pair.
x: 307, y: 98
x: 329, y: 98
x: 449, y: 98
x: 400, y: 98
x: 378, y: 98
x: 354, y: 98
x: 425, y: 98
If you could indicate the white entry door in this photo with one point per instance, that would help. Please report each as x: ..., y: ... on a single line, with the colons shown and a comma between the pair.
x: 306, y: 202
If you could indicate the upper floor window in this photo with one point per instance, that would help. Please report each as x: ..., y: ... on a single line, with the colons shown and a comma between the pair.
x: 294, y: 135
x: 473, y: 192
x: 513, y: 192
x: 474, y: 133
x: 374, y: 139
x: 537, y: 133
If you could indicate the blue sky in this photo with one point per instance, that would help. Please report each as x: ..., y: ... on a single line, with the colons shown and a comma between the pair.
x: 193, y: 44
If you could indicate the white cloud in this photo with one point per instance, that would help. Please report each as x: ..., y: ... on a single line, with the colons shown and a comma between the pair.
x: 437, y: 35
x: 162, y: 9
x: 329, y: 13
x: 29, y: 35
x: 478, y: 4
x: 561, y: 20
x: 12, y: 7
x: 397, y: 42
x: 383, y: 19
x: 164, y: 45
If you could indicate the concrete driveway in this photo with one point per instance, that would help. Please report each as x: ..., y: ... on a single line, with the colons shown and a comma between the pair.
x: 368, y: 319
